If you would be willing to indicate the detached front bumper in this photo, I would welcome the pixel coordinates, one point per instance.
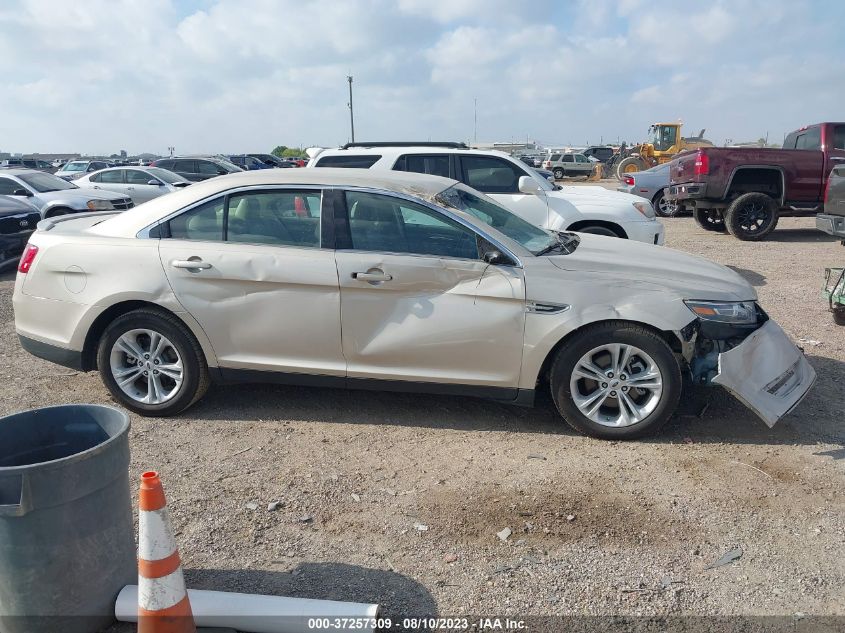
(767, 373)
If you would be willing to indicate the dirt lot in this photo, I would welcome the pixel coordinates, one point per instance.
(397, 499)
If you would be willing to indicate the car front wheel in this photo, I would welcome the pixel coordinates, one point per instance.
(616, 380)
(151, 363)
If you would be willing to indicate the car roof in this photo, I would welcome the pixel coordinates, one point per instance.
(20, 172)
(130, 222)
(399, 150)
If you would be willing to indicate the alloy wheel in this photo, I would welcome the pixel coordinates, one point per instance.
(616, 385)
(146, 366)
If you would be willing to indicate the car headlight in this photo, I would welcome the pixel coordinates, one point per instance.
(734, 312)
(99, 205)
(645, 208)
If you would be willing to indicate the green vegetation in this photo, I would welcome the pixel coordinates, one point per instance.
(283, 151)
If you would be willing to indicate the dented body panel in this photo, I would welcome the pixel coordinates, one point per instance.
(766, 372)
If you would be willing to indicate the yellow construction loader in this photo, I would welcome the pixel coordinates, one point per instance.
(666, 142)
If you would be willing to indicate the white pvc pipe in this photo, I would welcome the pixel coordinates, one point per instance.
(253, 613)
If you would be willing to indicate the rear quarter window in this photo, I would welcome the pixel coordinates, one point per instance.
(354, 161)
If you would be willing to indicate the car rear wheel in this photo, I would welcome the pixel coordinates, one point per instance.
(709, 220)
(616, 380)
(752, 216)
(559, 173)
(151, 363)
(664, 208)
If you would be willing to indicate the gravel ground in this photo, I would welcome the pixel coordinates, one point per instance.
(398, 499)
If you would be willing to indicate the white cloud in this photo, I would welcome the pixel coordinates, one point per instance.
(100, 75)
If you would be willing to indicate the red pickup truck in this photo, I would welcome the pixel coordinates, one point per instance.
(745, 189)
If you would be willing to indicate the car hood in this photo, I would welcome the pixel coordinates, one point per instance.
(83, 193)
(653, 268)
(592, 197)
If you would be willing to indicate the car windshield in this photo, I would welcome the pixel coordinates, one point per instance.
(79, 166)
(43, 183)
(530, 237)
(165, 175)
(227, 165)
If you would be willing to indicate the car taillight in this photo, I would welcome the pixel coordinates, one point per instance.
(702, 164)
(629, 180)
(27, 258)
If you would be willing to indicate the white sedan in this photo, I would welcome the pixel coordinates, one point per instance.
(139, 183)
(399, 281)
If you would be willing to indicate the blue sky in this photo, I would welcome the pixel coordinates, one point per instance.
(246, 75)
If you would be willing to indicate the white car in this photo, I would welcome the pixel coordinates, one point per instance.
(139, 183)
(511, 183)
(398, 281)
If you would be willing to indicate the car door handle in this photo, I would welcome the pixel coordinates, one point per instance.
(190, 264)
(376, 275)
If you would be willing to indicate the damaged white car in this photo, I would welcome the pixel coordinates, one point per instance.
(395, 281)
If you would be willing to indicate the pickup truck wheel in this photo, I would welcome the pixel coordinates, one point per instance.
(709, 220)
(752, 216)
(839, 315)
(559, 173)
(616, 380)
(664, 208)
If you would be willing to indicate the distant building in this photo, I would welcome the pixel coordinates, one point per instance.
(510, 148)
(123, 153)
(52, 157)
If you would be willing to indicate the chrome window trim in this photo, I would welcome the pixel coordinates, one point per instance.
(144, 234)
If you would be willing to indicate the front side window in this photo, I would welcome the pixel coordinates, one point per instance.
(392, 225)
(839, 137)
(113, 176)
(206, 168)
(579, 158)
(352, 161)
(135, 177)
(8, 186)
(284, 218)
(437, 165)
(490, 174)
(524, 233)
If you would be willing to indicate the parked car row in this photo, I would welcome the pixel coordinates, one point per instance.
(53, 196)
(512, 184)
(18, 220)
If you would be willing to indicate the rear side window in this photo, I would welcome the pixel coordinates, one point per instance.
(554, 157)
(283, 218)
(165, 164)
(185, 166)
(490, 174)
(435, 164)
(352, 161)
(568, 158)
(113, 177)
(204, 222)
(789, 141)
(809, 139)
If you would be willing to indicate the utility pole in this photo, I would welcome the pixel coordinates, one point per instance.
(351, 114)
(475, 121)
(171, 149)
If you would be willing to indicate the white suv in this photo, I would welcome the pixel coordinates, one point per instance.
(512, 183)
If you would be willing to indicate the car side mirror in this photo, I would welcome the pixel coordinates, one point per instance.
(222, 172)
(155, 183)
(528, 185)
(22, 192)
(497, 258)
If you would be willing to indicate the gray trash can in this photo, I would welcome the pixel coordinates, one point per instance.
(67, 543)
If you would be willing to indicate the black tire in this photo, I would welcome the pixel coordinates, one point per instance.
(559, 172)
(752, 216)
(839, 315)
(195, 379)
(664, 208)
(600, 229)
(709, 220)
(626, 333)
(631, 161)
(57, 211)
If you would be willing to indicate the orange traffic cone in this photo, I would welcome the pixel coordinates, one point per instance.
(163, 605)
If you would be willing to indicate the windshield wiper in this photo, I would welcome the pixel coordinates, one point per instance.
(566, 242)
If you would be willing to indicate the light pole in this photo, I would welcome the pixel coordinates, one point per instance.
(351, 114)
(475, 121)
